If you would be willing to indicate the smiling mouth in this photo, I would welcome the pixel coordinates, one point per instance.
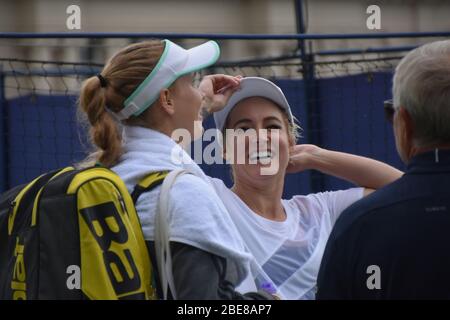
(261, 156)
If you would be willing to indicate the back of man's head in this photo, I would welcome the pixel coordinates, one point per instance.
(422, 87)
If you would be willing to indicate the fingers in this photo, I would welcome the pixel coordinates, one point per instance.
(223, 77)
(217, 89)
(228, 91)
(224, 89)
(222, 83)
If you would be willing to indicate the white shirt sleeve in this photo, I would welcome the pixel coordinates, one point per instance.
(338, 201)
(325, 205)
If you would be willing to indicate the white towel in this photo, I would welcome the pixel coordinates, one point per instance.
(197, 215)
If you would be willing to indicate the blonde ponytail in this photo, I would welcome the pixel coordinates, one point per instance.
(104, 131)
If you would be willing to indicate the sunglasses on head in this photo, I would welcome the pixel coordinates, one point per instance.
(389, 110)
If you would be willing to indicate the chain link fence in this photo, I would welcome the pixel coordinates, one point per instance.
(336, 99)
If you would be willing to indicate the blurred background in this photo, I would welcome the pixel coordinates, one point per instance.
(336, 85)
(214, 16)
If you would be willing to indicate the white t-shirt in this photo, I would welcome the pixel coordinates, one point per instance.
(290, 251)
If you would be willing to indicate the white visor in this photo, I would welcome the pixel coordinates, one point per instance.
(174, 63)
(253, 87)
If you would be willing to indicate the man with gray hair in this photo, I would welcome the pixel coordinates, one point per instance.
(395, 243)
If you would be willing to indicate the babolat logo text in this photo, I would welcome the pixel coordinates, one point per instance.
(18, 283)
(109, 231)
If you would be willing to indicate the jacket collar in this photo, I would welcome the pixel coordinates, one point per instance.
(437, 160)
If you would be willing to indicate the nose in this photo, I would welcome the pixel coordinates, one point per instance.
(263, 139)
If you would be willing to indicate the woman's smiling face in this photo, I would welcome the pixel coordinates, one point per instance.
(268, 147)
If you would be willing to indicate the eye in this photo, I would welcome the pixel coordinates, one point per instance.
(274, 126)
(242, 129)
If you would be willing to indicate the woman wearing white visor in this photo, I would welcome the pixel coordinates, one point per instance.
(147, 89)
(287, 237)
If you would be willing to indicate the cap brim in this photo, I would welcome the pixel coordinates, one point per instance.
(201, 56)
(253, 87)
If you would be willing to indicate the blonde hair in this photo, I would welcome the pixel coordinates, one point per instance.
(294, 129)
(122, 73)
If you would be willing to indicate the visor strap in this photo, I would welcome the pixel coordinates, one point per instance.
(125, 113)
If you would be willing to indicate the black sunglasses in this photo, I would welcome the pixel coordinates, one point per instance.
(389, 110)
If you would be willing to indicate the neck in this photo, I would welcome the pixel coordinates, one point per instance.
(418, 150)
(263, 198)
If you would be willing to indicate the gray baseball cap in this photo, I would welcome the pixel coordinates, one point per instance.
(253, 87)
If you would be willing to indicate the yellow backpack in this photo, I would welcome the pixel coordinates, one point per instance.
(75, 234)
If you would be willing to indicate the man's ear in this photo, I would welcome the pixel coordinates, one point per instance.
(166, 101)
(406, 124)
(404, 133)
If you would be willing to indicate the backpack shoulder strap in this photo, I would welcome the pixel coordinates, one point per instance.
(148, 183)
(162, 245)
(162, 235)
(26, 197)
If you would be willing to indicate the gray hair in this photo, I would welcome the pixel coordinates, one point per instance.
(422, 86)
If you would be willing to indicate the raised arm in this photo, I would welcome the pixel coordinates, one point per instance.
(365, 172)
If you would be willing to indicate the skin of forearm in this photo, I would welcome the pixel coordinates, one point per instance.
(359, 170)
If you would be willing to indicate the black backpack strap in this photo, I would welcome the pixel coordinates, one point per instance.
(148, 183)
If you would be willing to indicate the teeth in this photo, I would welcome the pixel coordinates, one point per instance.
(260, 155)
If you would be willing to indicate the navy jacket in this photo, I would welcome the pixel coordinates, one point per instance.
(395, 243)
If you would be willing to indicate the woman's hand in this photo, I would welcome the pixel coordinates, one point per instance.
(301, 157)
(217, 90)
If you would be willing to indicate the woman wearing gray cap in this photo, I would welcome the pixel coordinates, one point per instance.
(286, 236)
